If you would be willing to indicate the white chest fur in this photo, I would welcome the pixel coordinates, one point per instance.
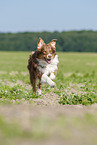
(46, 68)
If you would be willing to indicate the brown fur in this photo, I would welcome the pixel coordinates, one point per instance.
(41, 53)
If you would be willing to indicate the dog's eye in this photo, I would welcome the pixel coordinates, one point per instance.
(50, 51)
(44, 52)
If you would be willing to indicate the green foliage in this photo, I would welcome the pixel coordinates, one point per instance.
(76, 79)
(74, 41)
(16, 94)
(75, 99)
(78, 90)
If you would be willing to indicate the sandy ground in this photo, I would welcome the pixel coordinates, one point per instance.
(68, 124)
(47, 99)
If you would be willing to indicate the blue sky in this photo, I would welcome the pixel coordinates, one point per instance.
(47, 15)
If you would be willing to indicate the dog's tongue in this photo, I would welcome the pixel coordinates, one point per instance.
(49, 60)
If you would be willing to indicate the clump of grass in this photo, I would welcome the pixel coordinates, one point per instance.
(75, 99)
(16, 94)
(79, 90)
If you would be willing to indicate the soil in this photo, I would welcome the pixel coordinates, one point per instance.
(47, 99)
(49, 117)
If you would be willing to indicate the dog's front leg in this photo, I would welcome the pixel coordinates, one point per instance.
(53, 75)
(46, 79)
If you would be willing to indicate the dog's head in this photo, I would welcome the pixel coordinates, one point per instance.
(46, 51)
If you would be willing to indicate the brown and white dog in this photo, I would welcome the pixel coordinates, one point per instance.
(43, 64)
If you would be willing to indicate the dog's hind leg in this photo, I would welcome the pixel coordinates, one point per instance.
(39, 88)
(33, 82)
(34, 85)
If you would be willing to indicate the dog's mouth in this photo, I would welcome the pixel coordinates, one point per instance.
(48, 60)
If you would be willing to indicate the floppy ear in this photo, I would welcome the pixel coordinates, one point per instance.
(53, 43)
(40, 44)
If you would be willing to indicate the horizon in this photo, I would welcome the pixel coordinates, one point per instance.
(48, 31)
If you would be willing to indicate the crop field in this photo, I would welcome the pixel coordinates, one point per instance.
(66, 114)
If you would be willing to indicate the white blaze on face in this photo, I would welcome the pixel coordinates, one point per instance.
(49, 57)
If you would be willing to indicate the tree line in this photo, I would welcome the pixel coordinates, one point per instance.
(68, 41)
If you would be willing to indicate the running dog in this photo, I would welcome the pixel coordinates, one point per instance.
(43, 65)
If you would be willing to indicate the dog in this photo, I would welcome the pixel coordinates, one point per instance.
(43, 65)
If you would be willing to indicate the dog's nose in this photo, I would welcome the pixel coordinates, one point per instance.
(49, 56)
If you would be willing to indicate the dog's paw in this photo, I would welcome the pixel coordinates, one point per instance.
(53, 85)
(39, 92)
(52, 76)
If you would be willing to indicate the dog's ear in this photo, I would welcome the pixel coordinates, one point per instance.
(53, 43)
(40, 44)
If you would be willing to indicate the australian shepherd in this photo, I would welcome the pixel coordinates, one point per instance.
(43, 65)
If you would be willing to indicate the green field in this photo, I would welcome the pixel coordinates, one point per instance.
(76, 79)
(62, 115)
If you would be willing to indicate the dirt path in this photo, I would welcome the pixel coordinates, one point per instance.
(47, 99)
(50, 123)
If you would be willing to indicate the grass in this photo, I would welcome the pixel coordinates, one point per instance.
(76, 78)
(76, 83)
